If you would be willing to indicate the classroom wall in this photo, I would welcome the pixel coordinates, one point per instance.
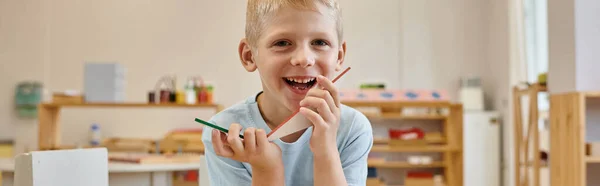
(407, 44)
(21, 31)
(497, 72)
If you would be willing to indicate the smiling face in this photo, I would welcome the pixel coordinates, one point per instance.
(294, 48)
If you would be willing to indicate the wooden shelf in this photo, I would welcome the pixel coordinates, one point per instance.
(534, 88)
(415, 148)
(592, 94)
(396, 104)
(184, 183)
(530, 164)
(399, 116)
(429, 141)
(384, 164)
(430, 138)
(143, 105)
(49, 114)
(591, 159)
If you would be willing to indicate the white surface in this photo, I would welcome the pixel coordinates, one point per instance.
(161, 178)
(7, 165)
(481, 149)
(120, 179)
(123, 174)
(124, 167)
(296, 123)
(63, 168)
(203, 172)
(472, 98)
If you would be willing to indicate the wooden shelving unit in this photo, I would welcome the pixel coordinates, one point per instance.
(522, 139)
(574, 117)
(391, 164)
(429, 139)
(412, 148)
(449, 144)
(398, 116)
(49, 115)
(49, 129)
(593, 159)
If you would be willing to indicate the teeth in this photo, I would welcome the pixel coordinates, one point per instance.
(300, 80)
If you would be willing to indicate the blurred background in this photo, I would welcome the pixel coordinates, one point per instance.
(89, 73)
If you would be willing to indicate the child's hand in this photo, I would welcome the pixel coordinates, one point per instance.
(254, 148)
(326, 118)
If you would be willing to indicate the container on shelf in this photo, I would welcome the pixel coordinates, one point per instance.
(95, 135)
(471, 93)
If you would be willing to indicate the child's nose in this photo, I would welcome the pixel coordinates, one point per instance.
(303, 57)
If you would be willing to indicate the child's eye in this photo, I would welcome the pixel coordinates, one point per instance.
(282, 43)
(320, 42)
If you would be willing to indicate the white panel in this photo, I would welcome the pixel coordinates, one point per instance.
(203, 172)
(296, 123)
(481, 149)
(87, 167)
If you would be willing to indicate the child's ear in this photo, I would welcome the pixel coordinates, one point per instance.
(341, 56)
(245, 52)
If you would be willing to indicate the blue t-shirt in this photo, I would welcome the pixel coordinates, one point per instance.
(354, 141)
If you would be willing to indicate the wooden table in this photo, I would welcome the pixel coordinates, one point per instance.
(126, 174)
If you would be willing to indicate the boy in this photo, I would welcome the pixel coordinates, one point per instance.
(297, 47)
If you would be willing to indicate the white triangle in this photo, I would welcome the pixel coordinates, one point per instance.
(296, 123)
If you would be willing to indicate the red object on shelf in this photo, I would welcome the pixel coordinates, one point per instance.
(191, 176)
(407, 134)
(202, 95)
(419, 175)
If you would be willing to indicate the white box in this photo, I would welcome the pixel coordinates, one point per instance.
(104, 82)
(78, 167)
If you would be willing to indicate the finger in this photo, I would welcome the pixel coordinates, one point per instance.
(219, 146)
(261, 140)
(324, 94)
(223, 137)
(226, 147)
(315, 118)
(328, 85)
(320, 105)
(234, 140)
(250, 140)
(216, 142)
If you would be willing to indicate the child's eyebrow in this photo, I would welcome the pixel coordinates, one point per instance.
(279, 34)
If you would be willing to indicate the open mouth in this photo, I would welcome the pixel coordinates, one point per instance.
(304, 83)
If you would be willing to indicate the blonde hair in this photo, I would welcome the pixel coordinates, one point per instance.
(260, 11)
